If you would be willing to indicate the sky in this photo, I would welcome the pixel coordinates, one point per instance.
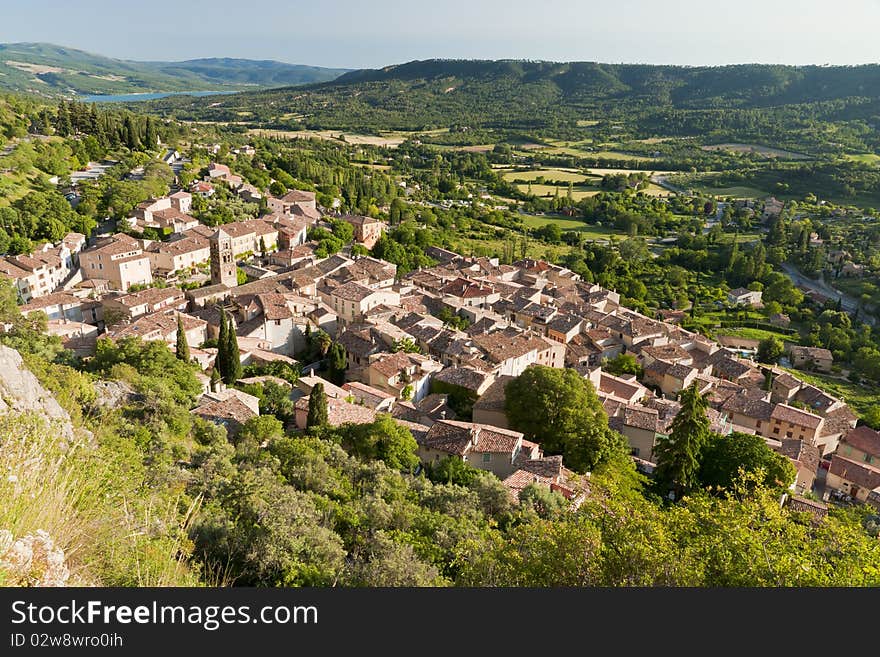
(375, 33)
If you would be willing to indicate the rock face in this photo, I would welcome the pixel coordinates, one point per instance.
(20, 392)
(32, 560)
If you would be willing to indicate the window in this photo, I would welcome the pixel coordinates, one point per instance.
(776, 430)
(867, 458)
(758, 423)
(487, 458)
(788, 434)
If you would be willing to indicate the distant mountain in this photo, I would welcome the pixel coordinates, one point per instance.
(527, 95)
(52, 70)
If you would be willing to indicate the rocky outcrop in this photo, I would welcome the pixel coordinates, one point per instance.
(21, 392)
(32, 560)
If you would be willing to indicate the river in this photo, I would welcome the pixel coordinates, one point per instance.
(132, 98)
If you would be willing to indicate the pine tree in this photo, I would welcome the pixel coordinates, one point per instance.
(233, 356)
(678, 454)
(182, 345)
(220, 363)
(317, 416)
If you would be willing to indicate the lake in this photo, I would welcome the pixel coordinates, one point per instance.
(131, 98)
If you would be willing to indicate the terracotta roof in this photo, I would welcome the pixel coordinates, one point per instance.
(812, 352)
(56, 298)
(796, 416)
(187, 244)
(369, 395)
(744, 404)
(803, 504)
(808, 456)
(464, 377)
(462, 437)
(860, 474)
(298, 196)
(150, 296)
(494, 397)
(864, 439)
(465, 289)
(231, 412)
(359, 220)
(352, 292)
(274, 306)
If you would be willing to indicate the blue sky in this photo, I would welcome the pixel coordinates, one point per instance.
(373, 33)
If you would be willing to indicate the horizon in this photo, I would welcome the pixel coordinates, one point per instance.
(346, 34)
(450, 59)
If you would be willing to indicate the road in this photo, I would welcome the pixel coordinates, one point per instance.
(848, 303)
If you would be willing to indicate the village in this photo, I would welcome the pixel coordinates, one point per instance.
(405, 358)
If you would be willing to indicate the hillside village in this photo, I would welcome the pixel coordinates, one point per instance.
(443, 380)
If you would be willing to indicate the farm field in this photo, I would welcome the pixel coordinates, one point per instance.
(863, 158)
(578, 192)
(757, 148)
(566, 223)
(389, 141)
(562, 175)
(735, 192)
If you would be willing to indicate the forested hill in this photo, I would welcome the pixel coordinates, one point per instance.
(545, 95)
(51, 70)
(745, 85)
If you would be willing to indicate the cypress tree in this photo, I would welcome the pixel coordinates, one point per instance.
(678, 454)
(336, 355)
(182, 345)
(220, 363)
(215, 379)
(317, 416)
(150, 135)
(233, 356)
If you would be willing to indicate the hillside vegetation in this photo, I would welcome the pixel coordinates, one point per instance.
(776, 104)
(51, 70)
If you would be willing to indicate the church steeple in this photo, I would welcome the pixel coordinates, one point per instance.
(223, 269)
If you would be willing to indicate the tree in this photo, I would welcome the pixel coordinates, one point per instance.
(559, 409)
(622, 364)
(317, 416)
(407, 345)
(233, 355)
(220, 363)
(336, 357)
(385, 440)
(182, 350)
(770, 350)
(215, 379)
(725, 458)
(678, 454)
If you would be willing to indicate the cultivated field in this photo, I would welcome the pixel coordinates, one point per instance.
(767, 151)
(390, 141)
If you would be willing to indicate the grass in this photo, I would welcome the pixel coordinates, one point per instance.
(735, 192)
(757, 148)
(577, 193)
(495, 247)
(753, 333)
(859, 397)
(562, 175)
(566, 223)
(389, 141)
(863, 158)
